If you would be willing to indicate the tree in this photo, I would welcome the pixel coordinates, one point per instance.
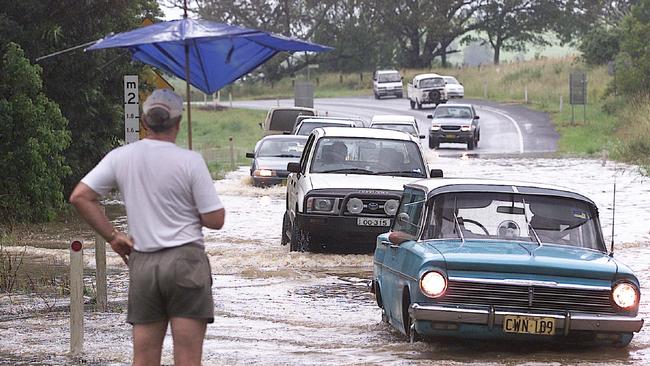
(86, 86)
(633, 60)
(599, 46)
(33, 136)
(512, 24)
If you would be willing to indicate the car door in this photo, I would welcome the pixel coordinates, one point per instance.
(391, 257)
(296, 181)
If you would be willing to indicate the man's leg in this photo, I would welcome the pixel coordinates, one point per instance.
(147, 342)
(188, 337)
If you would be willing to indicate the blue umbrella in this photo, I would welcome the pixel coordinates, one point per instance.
(206, 54)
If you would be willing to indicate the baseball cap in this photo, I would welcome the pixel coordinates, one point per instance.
(165, 99)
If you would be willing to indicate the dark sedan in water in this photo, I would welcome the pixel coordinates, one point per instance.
(271, 156)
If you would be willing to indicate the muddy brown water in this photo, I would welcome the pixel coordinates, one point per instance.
(280, 308)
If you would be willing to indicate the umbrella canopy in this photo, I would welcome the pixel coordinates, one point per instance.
(218, 53)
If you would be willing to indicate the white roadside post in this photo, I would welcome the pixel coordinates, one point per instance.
(76, 298)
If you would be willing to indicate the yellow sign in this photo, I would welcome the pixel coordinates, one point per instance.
(151, 80)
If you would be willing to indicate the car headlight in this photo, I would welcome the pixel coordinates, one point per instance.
(390, 207)
(465, 128)
(320, 204)
(355, 206)
(263, 173)
(433, 284)
(625, 295)
(435, 127)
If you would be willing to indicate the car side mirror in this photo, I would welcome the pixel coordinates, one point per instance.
(293, 167)
(250, 155)
(430, 116)
(476, 117)
(435, 173)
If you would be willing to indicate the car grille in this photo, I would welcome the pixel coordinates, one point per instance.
(528, 298)
(450, 128)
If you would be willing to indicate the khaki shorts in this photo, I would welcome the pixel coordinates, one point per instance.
(173, 282)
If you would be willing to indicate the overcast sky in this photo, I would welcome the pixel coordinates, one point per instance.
(171, 13)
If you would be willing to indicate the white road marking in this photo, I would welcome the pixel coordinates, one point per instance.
(512, 120)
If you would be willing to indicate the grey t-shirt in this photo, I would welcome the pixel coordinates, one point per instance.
(164, 187)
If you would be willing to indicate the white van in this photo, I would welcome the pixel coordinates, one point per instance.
(387, 82)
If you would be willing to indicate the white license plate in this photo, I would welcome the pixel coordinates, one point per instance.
(529, 325)
(371, 221)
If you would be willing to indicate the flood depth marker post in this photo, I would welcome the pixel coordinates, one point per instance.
(76, 298)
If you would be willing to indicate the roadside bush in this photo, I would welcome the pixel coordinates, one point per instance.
(599, 46)
(33, 136)
(633, 60)
(634, 132)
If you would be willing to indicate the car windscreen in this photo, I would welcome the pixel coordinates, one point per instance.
(452, 112)
(348, 155)
(432, 83)
(514, 217)
(389, 78)
(285, 119)
(451, 80)
(396, 127)
(306, 127)
(281, 148)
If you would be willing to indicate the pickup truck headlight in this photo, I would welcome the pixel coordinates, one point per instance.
(435, 127)
(355, 206)
(433, 284)
(320, 204)
(625, 295)
(465, 128)
(390, 207)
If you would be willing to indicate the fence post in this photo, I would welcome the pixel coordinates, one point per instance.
(232, 153)
(561, 104)
(218, 96)
(76, 298)
(100, 271)
(340, 78)
(526, 94)
(485, 92)
(230, 98)
(278, 101)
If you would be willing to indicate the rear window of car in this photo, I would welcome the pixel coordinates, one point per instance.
(389, 77)
(284, 119)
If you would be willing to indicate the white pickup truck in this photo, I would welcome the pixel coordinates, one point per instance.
(427, 89)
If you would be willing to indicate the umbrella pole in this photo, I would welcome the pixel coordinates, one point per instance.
(187, 83)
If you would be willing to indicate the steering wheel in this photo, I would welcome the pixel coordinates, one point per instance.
(477, 224)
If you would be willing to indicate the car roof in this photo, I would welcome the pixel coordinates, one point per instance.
(337, 121)
(292, 109)
(456, 105)
(426, 76)
(393, 118)
(284, 137)
(386, 71)
(435, 186)
(363, 132)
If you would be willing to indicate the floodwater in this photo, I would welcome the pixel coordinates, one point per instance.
(280, 308)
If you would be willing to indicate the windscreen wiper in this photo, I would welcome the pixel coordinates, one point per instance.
(402, 172)
(349, 170)
(530, 227)
(457, 223)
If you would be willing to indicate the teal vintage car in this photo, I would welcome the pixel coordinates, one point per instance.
(499, 259)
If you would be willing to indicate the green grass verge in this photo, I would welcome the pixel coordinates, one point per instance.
(211, 133)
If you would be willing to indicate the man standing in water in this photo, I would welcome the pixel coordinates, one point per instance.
(169, 196)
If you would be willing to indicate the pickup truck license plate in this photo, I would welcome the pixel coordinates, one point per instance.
(529, 325)
(451, 136)
(371, 221)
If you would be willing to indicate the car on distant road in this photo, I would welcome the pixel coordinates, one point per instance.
(426, 89)
(507, 260)
(397, 122)
(454, 123)
(345, 189)
(453, 88)
(281, 120)
(305, 126)
(271, 156)
(387, 83)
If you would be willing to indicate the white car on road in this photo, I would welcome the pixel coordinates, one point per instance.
(453, 88)
(345, 190)
(397, 122)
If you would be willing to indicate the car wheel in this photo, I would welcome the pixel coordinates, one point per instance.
(285, 229)
(470, 144)
(408, 321)
(624, 340)
(412, 104)
(376, 96)
(299, 239)
(433, 143)
(400, 96)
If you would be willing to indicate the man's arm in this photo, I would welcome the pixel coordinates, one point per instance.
(85, 200)
(214, 219)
